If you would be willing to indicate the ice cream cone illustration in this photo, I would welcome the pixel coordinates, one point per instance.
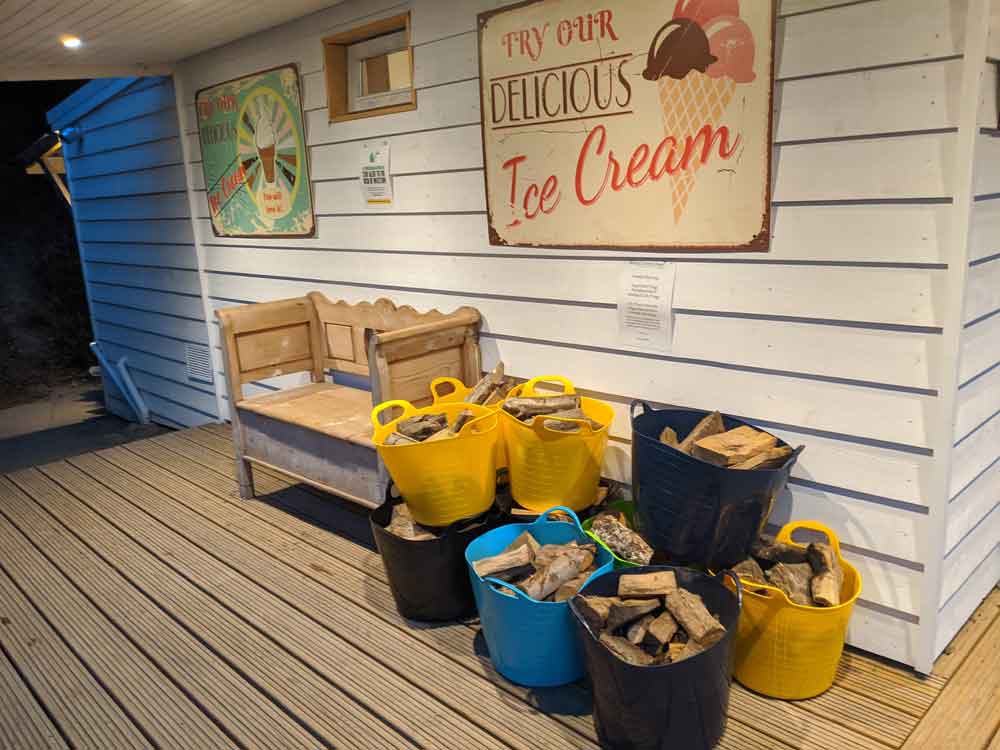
(264, 139)
(696, 70)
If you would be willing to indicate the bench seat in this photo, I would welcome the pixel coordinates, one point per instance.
(339, 411)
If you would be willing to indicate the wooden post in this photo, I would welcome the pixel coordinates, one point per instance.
(244, 471)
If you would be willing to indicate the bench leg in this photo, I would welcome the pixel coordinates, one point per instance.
(244, 473)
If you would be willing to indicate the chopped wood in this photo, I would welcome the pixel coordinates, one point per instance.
(772, 458)
(769, 550)
(399, 439)
(750, 570)
(501, 391)
(422, 426)
(710, 425)
(638, 629)
(624, 542)
(661, 630)
(525, 539)
(691, 613)
(505, 561)
(669, 437)
(828, 576)
(561, 570)
(402, 525)
(558, 426)
(659, 583)
(595, 609)
(464, 417)
(482, 390)
(681, 651)
(794, 579)
(570, 589)
(549, 552)
(733, 447)
(626, 651)
(629, 610)
(445, 434)
(525, 408)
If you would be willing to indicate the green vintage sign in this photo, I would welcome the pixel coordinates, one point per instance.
(253, 155)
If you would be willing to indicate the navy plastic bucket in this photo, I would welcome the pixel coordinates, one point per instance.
(665, 706)
(691, 512)
(530, 642)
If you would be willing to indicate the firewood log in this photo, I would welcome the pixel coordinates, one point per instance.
(525, 408)
(681, 651)
(710, 425)
(525, 539)
(772, 458)
(569, 589)
(768, 550)
(639, 586)
(669, 437)
(549, 552)
(397, 438)
(547, 580)
(661, 630)
(828, 576)
(750, 570)
(624, 542)
(691, 614)
(625, 651)
(482, 391)
(463, 418)
(794, 579)
(402, 525)
(733, 447)
(638, 629)
(558, 426)
(422, 426)
(595, 609)
(492, 566)
(629, 610)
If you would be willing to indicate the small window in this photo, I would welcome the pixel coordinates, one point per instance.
(369, 70)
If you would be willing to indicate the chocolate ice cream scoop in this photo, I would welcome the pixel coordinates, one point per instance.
(684, 48)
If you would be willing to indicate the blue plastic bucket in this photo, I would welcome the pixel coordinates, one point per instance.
(531, 643)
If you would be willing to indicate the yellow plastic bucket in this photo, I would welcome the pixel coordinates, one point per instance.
(786, 650)
(445, 480)
(457, 394)
(548, 467)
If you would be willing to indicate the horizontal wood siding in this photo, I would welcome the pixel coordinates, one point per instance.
(136, 240)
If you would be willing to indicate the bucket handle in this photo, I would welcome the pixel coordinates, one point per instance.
(785, 535)
(528, 388)
(638, 402)
(406, 406)
(738, 586)
(544, 517)
(455, 383)
(514, 589)
(538, 425)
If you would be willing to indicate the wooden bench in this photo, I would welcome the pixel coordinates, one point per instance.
(321, 433)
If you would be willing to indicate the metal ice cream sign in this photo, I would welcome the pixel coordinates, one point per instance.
(608, 124)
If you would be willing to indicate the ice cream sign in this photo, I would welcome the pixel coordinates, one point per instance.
(253, 156)
(628, 123)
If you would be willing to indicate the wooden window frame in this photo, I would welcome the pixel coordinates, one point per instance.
(335, 55)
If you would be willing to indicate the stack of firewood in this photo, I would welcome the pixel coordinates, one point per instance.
(613, 529)
(651, 621)
(740, 448)
(546, 572)
(811, 576)
(564, 406)
(402, 525)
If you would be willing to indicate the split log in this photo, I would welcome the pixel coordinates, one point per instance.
(501, 391)
(549, 552)
(669, 437)
(733, 447)
(397, 438)
(690, 612)
(768, 550)
(482, 390)
(661, 630)
(505, 561)
(659, 583)
(626, 651)
(710, 425)
(422, 426)
(525, 408)
(570, 589)
(565, 568)
(624, 542)
(681, 651)
(595, 609)
(628, 610)
(772, 458)
(402, 525)
(828, 576)
(558, 426)
(637, 630)
(525, 539)
(463, 418)
(794, 580)
(750, 570)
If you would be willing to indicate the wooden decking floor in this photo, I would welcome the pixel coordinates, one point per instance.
(144, 605)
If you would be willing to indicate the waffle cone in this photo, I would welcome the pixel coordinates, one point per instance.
(688, 105)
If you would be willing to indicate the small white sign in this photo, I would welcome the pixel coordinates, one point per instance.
(645, 305)
(376, 181)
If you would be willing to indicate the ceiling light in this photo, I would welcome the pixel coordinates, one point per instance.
(70, 42)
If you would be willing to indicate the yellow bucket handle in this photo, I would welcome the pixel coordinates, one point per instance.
(528, 389)
(455, 383)
(406, 406)
(785, 535)
(538, 425)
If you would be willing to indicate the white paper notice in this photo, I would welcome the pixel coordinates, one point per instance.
(376, 180)
(645, 305)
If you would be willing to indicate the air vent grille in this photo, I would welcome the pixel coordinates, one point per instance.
(199, 362)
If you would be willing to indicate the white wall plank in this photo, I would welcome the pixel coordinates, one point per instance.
(157, 279)
(161, 346)
(173, 231)
(131, 103)
(987, 164)
(967, 599)
(974, 454)
(142, 156)
(988, 113)
(150, 363)
(139, 207)
(170, 256)
(145, 128)
(977, 402)
(985, 230)
(980, 348)
(982, 290)
(970, 552)
(882, 633)
(164, 325)
(973, 504)
(167, 303)
(166, 179)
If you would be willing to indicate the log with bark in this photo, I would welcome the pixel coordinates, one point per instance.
(794, 579)
(734, 446)
(595, 609)
(669, 437)
(525, 539)
(828, 576)
(558, 426)
(396, 438)
(691, 613)
(526, 408)
(564, 568)
(710, 425)
(421, 426)
(766, 549)
(772, 458)
(629, 610)
(507, 565)
(750, 570)
(641, 585)
(570, 589)
(624, 542)
(482, 390)
(637, 631)
(626, 651)
(402, 525)
(661, 630)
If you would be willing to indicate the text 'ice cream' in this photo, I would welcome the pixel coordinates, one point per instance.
(264, 139)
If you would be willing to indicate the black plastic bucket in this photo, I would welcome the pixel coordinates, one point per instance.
(668, 706)
(429, 579)
(691, 512)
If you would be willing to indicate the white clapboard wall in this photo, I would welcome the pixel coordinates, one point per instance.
(836, 340)
(133, 224)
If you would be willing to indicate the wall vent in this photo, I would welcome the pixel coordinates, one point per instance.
(199, 362)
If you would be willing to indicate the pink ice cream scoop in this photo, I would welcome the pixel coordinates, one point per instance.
(703, 11)
(731, 42)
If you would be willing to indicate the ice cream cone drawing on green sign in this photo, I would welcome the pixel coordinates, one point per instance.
(253, 155)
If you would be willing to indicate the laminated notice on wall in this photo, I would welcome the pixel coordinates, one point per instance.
(376, 183)
(645, 305)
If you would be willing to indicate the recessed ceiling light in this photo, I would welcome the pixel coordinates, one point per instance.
(70, 42)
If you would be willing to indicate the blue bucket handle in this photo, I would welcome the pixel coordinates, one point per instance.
(638, 402)
(544, 517)
(510, 587)
(739, 588)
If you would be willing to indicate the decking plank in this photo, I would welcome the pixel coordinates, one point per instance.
(308, 603)
(23, 722)
(891, 684)
(967, 713)
(86, 713)
(171, 717)
(965, 640)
